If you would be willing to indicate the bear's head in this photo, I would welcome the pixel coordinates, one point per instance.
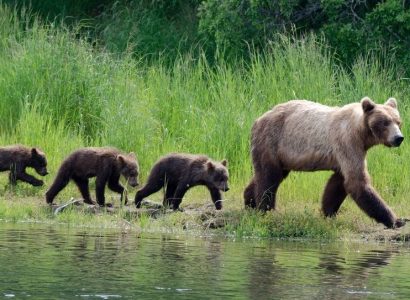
(129, 168)
(384, 121)
(38, 161)
(217, 174)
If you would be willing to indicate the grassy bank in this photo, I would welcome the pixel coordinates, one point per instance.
(59, 93)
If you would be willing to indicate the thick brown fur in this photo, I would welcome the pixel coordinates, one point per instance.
(305, 136)
(17, 158)
(178, 172)
(105, 163)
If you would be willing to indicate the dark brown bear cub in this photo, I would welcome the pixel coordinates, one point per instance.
(106, 164)
(179, 172)
(17, 158)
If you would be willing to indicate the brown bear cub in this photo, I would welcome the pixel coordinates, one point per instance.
(178, 172)
(17, 158)
(106, 164)
(305, 136)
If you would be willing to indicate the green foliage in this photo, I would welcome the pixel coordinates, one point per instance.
(292, 224)
(149, 29)
(53, 9)
(356, 28)
(163, 29)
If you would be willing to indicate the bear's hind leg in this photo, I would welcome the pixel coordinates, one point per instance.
(82, 184)
(249, 195)
(60, 182)
(152, 186)
(334, 195)
(267, 182)
(100, 183)
(169, 194)
(179, 194)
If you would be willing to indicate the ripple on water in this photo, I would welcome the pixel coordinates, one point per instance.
(102, 296)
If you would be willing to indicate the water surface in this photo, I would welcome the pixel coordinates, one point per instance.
(48, 262)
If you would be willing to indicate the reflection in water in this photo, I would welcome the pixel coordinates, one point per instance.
(264, 272)
(45, 262)
(354, 276)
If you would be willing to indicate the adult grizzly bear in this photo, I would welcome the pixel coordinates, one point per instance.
(17, 158)
(105, 163)
(305, 136)
(178, 172)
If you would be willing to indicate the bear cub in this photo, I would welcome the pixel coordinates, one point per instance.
(104, 163)
(17, 158)
(178, 172)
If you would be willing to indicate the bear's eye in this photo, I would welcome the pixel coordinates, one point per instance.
(386, 123)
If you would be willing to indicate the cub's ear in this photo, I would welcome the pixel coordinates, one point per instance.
(132, 155)
(210, 166)
(34, 151)
(224, 162)
(121, 159)
(367, 104)
(392, 102)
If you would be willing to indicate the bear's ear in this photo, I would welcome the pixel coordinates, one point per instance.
(210, 166)
(121, 159)
(132, 155)
(34, 151)
(392, 102)
(367, 104)
(224, 162)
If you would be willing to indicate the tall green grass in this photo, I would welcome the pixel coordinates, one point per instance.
(59, 93)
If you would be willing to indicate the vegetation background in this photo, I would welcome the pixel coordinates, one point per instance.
(160, 76)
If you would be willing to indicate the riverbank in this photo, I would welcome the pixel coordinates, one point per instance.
(198, 219)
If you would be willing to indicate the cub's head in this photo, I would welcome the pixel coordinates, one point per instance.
(218, 174)
(129, 168)
(383, 121)
(38, 161)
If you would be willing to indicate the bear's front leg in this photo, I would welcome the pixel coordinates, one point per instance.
(370, 202)
(357, 184)
(216, 197)
(114, 185)
(23, 176)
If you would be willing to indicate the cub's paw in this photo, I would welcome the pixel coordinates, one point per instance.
(38, 183)
(399, 223)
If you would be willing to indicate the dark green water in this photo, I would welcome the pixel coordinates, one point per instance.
(44, 262)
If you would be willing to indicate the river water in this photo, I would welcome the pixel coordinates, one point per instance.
(49, 262)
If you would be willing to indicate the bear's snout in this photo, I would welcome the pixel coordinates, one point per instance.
(398, 139)
(133, 182)
(42, 171)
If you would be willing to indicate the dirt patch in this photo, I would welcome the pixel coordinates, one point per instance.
(204, 216)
